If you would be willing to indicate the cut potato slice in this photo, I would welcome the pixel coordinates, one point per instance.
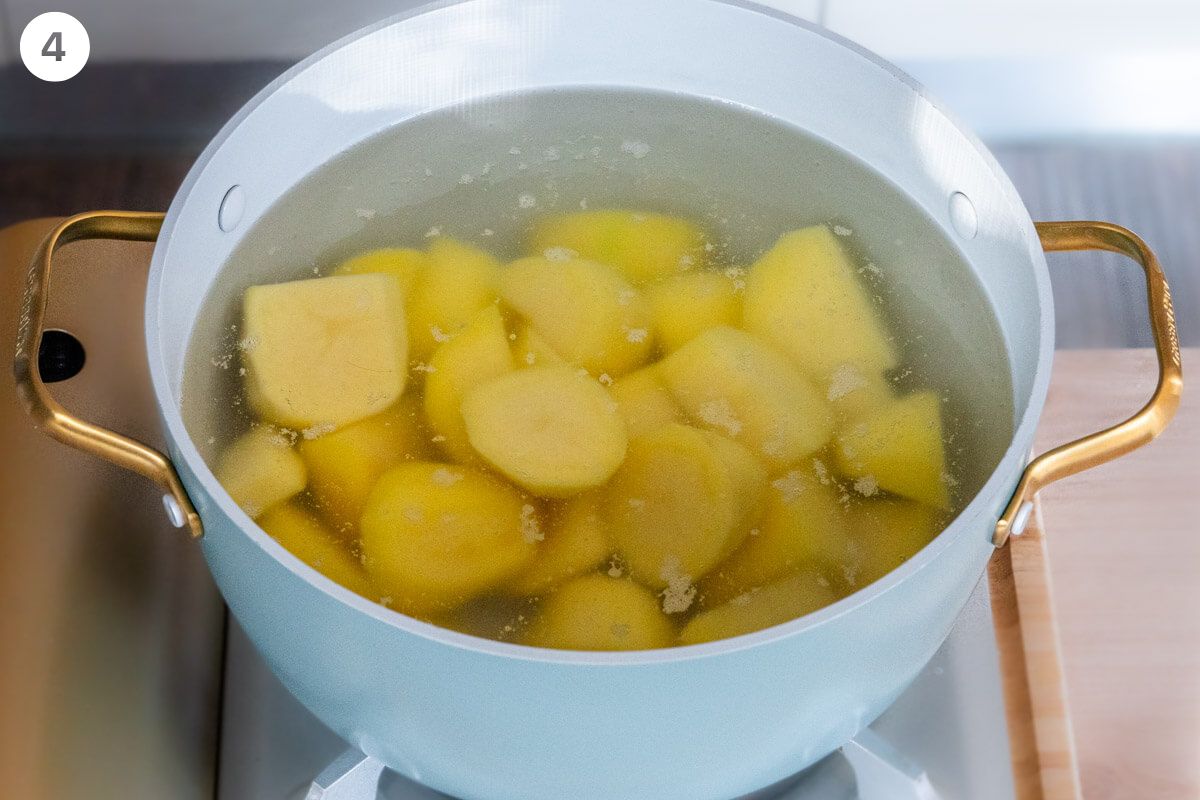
(805, 296)
(899, 446)
(596, 612)
(771, 605)
(448, 294)
(305, 538)
(684, 306)
(853, 392)
(472, 357)
(803, 526)
(344, 465)
(886, 533)
(531, 350)
(260, 469)
(436, 535)
(578, 541)
(404, 263)
(645, 247)
(730, 382)
(326, 351)
(681, 502)
(584, 311)
(645, 401)
(550, 429)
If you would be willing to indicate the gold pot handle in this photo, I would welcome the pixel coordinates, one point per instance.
(48, 415)
(1151, 419)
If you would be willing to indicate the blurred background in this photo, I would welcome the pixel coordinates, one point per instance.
(1090, 105)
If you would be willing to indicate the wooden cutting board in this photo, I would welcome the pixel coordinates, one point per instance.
(1120, 545)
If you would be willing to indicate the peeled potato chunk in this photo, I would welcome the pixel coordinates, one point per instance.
(771, 605)
(472, 357)
(596, 612)
(731, 382)
(306, 539)
(445, 296)
(645, 402)
(803, 525)
(551, 430)
(853, 392)
(344, 465)
(530, 349)
(684, 306)
(436, 535)
(887, 532)
(644, 246)
(576, 542)
(899, 447)
(260, 469)
(682, 501)
(805, 296)
(326, 351)
(403, 263)
(585, 312)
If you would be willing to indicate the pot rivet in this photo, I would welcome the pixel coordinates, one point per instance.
(233, 204)
(174, 512)
(1022, 519)
(963, 216)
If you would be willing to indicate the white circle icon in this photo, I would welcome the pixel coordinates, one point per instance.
(55, 46)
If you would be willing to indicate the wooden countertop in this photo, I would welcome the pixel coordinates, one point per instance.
(1124, 554)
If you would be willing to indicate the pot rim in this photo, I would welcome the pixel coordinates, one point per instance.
(1000, 482)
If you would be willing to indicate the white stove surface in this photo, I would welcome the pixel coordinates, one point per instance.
(950, 722)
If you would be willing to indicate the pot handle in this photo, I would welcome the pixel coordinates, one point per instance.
(1150, 420)
(48, 415)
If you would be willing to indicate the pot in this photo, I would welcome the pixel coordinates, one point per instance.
(478, 718)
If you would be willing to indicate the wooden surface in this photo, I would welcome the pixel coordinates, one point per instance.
(1045, 766)
(1124, 553)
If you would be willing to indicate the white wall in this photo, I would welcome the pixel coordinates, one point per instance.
(929, 30)
(202, 30)
(901, 30)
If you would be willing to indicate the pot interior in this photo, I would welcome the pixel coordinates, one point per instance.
(483, 171)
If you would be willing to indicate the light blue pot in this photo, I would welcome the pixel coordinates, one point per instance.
(482, 719)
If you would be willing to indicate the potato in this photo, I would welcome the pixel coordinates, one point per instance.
(771, 605)
(307, 540)
(459, 281)
(644, 246)
(584, 311)
(260, 469)
(549, 429)
(472, 357)
(530, 349)
(683, 306)
(887, 532)
(344, 465)
(436, 535)
(899, 448)
(402, 262)
(597, 612)
(645, 402)
(853, 392)
(730, 382)
(682, 501)
(326, 351)
(803, 526)
(576, 542)
(805, 296)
